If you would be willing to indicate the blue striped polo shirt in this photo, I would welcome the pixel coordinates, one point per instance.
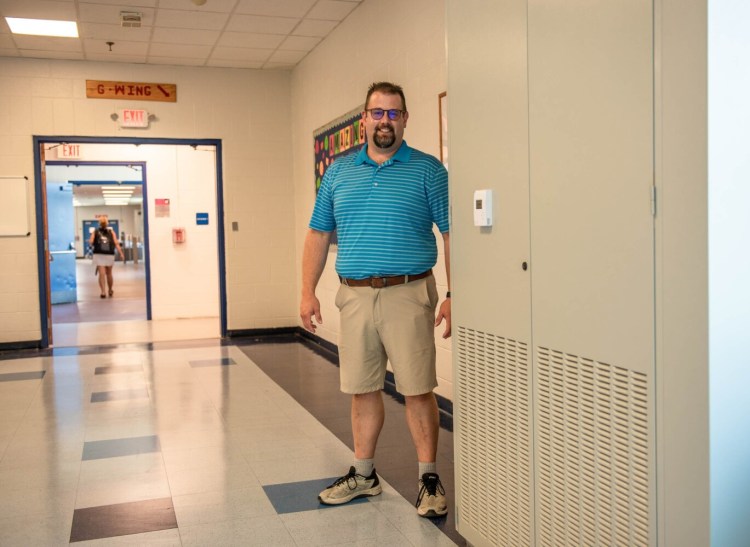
(383, 214)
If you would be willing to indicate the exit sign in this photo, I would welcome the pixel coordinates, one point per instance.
(133, 118)
(72, 151)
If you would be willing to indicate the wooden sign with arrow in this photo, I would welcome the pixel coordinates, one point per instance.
(135, 91)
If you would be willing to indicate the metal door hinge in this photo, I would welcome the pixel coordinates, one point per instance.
(653, 201)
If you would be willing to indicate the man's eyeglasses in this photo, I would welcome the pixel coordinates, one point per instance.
(378, 113)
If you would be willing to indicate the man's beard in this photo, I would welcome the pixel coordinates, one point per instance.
(384, 140)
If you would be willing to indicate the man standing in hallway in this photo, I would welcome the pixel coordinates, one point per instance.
(383, 202)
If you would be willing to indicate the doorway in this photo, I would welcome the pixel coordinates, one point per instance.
(186, 281)
(79, 194)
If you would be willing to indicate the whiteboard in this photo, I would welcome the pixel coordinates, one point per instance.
(14, 206)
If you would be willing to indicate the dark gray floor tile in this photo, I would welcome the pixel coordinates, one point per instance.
(223, 362)
(121, 369)
(295, 497)
(114, 448)
(123, 519)
(16, 376)
(119, 395)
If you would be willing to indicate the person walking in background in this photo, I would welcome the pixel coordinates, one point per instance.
(383, 202)
(104, 243)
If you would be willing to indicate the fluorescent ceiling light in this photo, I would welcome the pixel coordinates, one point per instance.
(43, 27)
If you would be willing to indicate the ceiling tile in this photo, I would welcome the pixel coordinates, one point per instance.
(245, 33)
(238, 63)
(265, 25)
(220, 6)
(191, 19)
(281, 66)
(114, 33)
(258, 41)
(237, 53)
(51, 54)
(47, 43)
(310, 27)
(114, 58)
(331, 10)
(185, 36)
(38, 9)
(120, 48)
(285, 8)
(300, 43)
(127, 5)
(179, 61)
(293, 57)
(98, 13)
(179, 50)
(6, 42)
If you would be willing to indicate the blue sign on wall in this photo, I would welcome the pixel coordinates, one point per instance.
(201, 219)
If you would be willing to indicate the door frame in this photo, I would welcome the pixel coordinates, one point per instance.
(42, 230)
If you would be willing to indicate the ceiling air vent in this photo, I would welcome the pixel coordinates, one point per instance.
(130, 19)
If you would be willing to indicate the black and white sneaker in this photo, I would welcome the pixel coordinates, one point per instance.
(349, 487)
(431, 499)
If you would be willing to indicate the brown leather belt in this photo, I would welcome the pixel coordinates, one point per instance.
(383, 282)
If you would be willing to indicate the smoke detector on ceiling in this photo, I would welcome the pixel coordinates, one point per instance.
(130, 19)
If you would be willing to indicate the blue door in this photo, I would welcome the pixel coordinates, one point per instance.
(61, 225)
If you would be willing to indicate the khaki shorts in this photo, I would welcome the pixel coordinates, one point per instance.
(395, 323)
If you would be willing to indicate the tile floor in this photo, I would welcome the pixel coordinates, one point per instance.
(188, 443)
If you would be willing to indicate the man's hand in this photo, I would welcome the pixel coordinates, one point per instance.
(309, 307)
(445, 313)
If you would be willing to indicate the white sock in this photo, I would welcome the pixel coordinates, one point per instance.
(364, 467)
(430, 467)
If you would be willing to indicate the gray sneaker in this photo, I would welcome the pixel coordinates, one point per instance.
(431, 498)
(349, 487)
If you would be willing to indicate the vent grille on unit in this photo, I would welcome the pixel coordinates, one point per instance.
(593, 453)
(494, 417)
(130, 19)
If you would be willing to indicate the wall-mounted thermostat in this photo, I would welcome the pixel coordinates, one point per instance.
(483, 208)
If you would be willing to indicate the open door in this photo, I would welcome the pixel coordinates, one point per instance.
(45, 235)
(62, 249)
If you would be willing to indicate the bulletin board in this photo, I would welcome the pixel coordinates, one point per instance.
(344, 135)
(14, 207)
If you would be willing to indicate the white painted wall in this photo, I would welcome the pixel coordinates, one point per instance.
(403, 42)
(248, 110)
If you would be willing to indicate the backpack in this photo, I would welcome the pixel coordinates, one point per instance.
(103, 243)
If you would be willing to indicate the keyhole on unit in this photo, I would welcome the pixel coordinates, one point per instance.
(524, 266)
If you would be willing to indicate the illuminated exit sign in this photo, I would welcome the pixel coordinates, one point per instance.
(71, 151)
(133, 118)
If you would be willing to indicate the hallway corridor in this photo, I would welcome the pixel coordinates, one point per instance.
(194, 443)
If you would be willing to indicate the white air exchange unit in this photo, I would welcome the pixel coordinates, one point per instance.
(131, 19)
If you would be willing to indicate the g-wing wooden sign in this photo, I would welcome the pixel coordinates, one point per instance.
(135, 91)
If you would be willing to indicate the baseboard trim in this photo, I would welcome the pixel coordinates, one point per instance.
(14, 346)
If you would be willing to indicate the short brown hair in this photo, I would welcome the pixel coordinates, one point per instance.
(389, 89)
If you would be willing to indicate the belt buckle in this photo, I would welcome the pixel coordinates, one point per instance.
(378, 282)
